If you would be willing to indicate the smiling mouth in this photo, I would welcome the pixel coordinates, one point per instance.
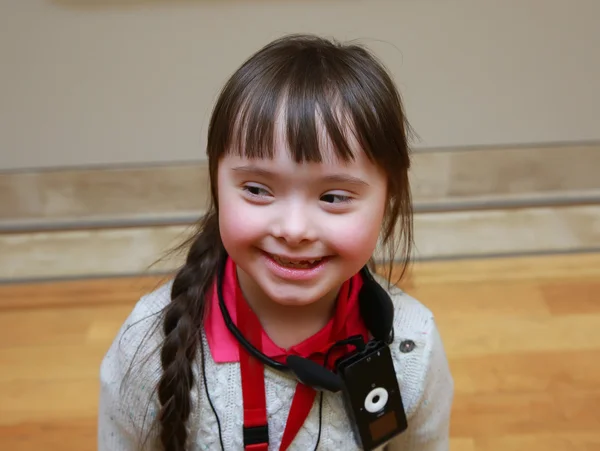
(298, 264)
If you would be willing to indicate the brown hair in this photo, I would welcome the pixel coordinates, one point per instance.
(314, 79)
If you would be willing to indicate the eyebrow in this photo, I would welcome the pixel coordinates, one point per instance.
(331, 178)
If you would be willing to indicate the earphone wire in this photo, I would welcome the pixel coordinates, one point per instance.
(208, 395)
(236, 332)
(320, 420)
(348, 341)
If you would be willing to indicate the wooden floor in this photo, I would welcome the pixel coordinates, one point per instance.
(522, 335)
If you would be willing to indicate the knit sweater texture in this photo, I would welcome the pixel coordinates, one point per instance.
(131, 369)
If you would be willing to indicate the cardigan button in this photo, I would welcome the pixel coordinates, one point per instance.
(407, 346)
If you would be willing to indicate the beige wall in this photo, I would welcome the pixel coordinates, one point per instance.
(108, 82)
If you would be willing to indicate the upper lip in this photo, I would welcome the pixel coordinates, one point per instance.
(294, 258)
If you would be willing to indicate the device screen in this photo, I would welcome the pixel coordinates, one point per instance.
(383, 425)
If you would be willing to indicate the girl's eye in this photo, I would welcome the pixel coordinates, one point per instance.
(333, 198)
(256, 190)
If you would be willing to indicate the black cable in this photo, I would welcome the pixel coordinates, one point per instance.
(320, 420)
(236, 332)
(356, 341)
(208, 395)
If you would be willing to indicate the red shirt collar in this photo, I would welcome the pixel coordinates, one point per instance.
(223, 346)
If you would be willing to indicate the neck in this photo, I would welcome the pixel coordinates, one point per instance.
(287, 325)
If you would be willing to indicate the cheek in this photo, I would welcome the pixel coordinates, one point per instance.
(240, 223)
(230, 215)
(240, 226)
(356, 238)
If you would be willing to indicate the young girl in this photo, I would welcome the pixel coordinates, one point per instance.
(308, 162)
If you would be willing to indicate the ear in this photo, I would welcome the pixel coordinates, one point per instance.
(376, 308)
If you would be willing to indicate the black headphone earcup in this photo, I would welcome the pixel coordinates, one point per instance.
(376, 309)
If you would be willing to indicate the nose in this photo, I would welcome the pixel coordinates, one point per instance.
(295, 225)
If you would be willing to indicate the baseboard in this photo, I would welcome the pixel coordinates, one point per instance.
(106, 252)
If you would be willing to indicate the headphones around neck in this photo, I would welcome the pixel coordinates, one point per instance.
(377, 312)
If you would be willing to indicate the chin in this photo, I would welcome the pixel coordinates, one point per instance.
(296, 297)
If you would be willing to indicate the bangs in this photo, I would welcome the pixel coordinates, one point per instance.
(303, 111)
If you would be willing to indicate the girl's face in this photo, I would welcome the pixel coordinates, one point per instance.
(298, 231)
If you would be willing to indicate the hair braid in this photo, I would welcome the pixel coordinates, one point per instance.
(182, 325)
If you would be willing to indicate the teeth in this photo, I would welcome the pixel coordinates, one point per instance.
(301, 264)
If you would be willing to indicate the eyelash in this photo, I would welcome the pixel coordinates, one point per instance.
(248, 189)
(344, 199)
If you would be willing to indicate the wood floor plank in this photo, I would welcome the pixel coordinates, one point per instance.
(466, 337)
(50, 326)
(499, 414)
(483, 299)
(75, 434)
(551, 442)
(530, 372)
(462, 444)
(61, 362)
(24, 401)
(76, 293)
(507, 269)
(564, 298)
